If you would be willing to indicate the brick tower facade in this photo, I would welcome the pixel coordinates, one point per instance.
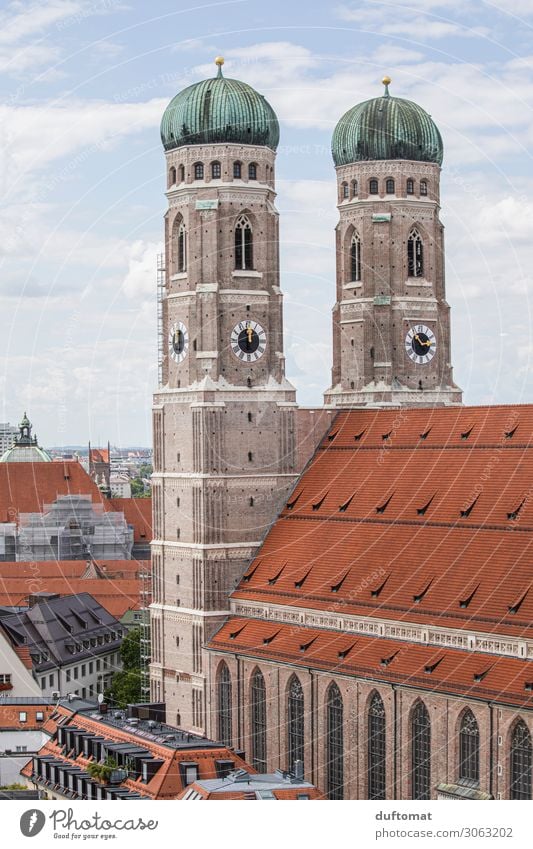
(391, 321)
(224, 414)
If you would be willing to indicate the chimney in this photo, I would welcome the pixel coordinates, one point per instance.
(299, 770)
(35, 598)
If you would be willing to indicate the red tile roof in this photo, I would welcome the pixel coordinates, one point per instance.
(421, 515)
(27, 487)
(476, 675)
(99, 455)
(10, 716)
(137, 512)
(115, 584)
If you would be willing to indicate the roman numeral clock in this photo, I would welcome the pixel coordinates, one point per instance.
(248, 341)
(420, 344)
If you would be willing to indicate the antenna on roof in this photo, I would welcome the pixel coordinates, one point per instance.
(100, 698)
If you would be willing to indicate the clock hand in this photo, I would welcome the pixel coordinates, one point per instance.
(249, 333)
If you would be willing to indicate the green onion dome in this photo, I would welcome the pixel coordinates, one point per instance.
(219, 110)
(386, 128)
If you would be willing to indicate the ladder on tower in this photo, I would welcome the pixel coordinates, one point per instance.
(161, 269)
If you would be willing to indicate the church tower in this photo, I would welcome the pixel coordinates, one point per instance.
(391, 321)
(223, 416)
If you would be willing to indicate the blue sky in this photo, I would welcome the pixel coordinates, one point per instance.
(82, 89)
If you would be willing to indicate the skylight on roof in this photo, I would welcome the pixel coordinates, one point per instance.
(318, 504)
(382, 507)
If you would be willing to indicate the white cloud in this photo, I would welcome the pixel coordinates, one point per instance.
(140, 276)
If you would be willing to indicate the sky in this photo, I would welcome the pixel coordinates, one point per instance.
(83, 85)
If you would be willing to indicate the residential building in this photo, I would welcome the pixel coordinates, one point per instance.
(149, 759)
(22, 721)
(73, 642)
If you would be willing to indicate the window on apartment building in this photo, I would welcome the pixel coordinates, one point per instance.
(75, 671)
(421, 752)
(68, 674)
(51, 680)
(83, 670)
(5, 678)
(39, 716)
(23, 716)
(334, 744)
(21, 748)
(91, 667)
(376, 749)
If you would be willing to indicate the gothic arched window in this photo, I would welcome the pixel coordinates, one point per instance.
(252, 171)
(355, 258)
(520, 762)
(334, 744)
(182, 248)
(243, 244)
(469, 748)
(345, 191)
(172, 177)
(415, 254)
(376, 749)
(373, 187)
(258, 721)
(224, 705)
(421, 752)
(215, 170)
(355, 190)
(179, 245)
(423, 187)
(295, 722)
(199, 171)
(410, 187)
(237, 170)
(389, 186)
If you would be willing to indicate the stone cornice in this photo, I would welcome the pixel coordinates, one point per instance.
(413, 632)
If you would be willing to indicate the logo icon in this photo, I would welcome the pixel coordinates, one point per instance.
(32, 822)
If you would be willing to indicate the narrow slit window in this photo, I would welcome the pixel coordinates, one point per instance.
(355, 258)
(415, 254)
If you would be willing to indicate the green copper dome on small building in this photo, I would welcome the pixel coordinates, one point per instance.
(386, 128)
(219, 110)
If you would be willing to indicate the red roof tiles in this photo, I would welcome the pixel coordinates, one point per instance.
(501, 679)
(420, 515)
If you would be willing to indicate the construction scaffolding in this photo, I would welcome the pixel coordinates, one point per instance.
(144, 625)
(161, 294)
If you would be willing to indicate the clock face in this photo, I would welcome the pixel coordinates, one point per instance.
(248, 341)
(420, 344)
(178, 342)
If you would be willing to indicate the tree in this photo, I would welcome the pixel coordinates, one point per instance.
(137, 489)
(126, 685)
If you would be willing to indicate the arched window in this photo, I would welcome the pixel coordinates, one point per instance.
(345, 191)
(355, 258)
(389, 186)
(421, 752)
(295, 722)
(334, 744)
(376, 749)
(181, 173)
(423, 187)
(252, 171)
(237, 170)
(258, 721)
(215, 170)
(373, 187)
(199, 171)
(224, 705)
(355, 189)
(179, 245)
(172, 177)
(410, 187)
(243, 244)
(520, 762)
(182, 248)
(469, 748)
(415, 254)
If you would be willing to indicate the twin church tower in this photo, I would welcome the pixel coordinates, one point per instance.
(229, 438)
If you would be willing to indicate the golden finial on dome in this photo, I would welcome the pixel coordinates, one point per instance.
(386, 82)
(219, 61)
